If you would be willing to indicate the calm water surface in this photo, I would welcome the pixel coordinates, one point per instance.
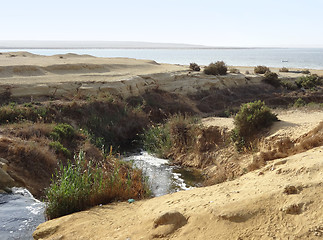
(272, 57)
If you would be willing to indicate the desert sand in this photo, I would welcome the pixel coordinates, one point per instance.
(23, 74)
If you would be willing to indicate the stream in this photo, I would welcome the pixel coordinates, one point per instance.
(162, 177)
(21, 213)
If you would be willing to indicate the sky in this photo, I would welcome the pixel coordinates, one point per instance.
(224, 23)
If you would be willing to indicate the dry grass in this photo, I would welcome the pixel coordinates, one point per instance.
(285, 147)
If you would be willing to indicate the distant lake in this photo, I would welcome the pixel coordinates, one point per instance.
(272, 57)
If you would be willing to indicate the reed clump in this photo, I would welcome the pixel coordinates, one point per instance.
(82, 184)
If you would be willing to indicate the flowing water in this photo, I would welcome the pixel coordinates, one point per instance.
(162, 177)
(20, 214)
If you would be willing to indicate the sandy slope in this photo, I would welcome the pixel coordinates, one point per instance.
(293, 123)
(24, 68)
(24, 74)
(283, 200)
(253, 206)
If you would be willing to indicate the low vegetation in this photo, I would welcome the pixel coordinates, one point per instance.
(176, 132)
(249, 121)
(195, 67)
(284, 69)
(234, 70)
(309, 82)
(261, 69)
(84, 184)
(218, 68)
(272, 79)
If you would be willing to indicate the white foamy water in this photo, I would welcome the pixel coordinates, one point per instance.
(161, 175)
(20, 214)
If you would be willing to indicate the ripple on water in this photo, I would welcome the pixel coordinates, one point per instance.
(20, 214)
(163, 178)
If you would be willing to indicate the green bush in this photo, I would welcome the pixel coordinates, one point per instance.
(218, 68)
(272, 79)
(308, 82)
(261, 69)
(59, 148)
(156, 139)
(62, 131)
(195, 67)
(178, 130)
(251, 118)
(299, 103)
(81, 185)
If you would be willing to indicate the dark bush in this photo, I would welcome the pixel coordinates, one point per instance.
(272, 79)
(306, 71)
(261, 69)
(308, 82)
(283, 69)
(218, 68)
(234, 70)
(195, 67)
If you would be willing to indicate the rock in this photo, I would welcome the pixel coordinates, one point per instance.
(290, 190)
(2, 160)
(5, 179)
(295, 208)
(168, 223)
(3, 166)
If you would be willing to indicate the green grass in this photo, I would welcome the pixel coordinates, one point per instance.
(59, 148)
(178, 130)
(84, 184)
(157, 140)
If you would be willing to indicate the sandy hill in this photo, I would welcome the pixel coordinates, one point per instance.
(283, 200)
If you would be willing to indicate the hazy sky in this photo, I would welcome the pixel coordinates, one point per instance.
(286, 23)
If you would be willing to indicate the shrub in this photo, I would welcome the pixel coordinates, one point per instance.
(156, 139)
(272, 79)
(82, 185)
(308, 82)
(62, 131)
(284, 69)
(306, 71)
(234, 70)
(261, 69)
(299, 103)
(177, 131)
(195, 67)
(251, 118)
(247, 72)
(289, 85)
(218, 68)
(59, 148)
